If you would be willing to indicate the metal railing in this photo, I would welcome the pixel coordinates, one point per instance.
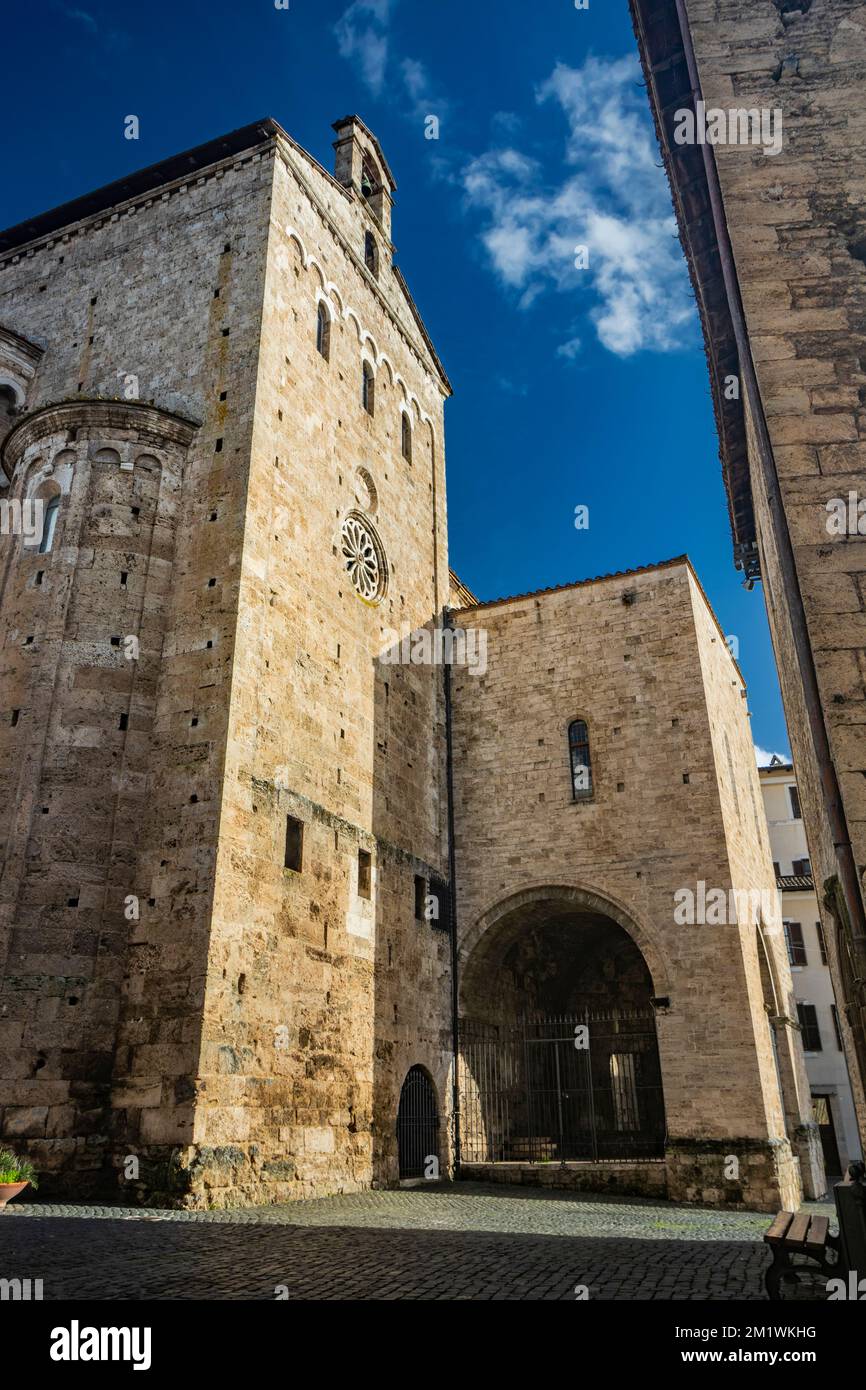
(561, 1088)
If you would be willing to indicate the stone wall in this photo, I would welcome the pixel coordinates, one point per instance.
(319, 1000)
(157, 301)
(772, 1007)
(641, 659)
(797, 222)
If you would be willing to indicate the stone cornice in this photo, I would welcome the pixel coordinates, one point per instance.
(151, 425)
(138, 190)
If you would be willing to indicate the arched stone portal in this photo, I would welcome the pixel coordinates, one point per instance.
(559, 1059)
(418, 1126)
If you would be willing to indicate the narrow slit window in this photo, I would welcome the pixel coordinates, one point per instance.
(371, 254)
(323, 332)
(368, 389)
(420, 897)
(49, 525)
(294, 856)
(365, 873)
(581, 765)
(406, 436)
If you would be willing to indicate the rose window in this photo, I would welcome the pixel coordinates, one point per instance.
(364, 557)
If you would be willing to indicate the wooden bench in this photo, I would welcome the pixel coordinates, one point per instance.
(808, 1238)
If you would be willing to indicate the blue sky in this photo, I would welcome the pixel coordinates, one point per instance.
(572, 387)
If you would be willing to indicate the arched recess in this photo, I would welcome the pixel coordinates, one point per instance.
(418, 1138)
(491, 935)
(559, 1058)
(18, 362)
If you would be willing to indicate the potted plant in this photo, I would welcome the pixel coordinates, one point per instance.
(15, 1174)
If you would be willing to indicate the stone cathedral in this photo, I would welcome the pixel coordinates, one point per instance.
(293, 900)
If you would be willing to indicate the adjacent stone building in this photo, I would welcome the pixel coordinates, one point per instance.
(580, 893)
(272, 835)
(759, 111)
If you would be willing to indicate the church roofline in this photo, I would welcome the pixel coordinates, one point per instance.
(579, 583)
(675, 562)
(246, 139)
(131, 186)
(459, 587)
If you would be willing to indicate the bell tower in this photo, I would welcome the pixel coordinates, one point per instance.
(360, 165)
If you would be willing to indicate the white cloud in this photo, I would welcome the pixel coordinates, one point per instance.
(506, 122)
(615, 201)
(423, 96)
(84, 18)
(570, 349)
(361, 36)
(764, 758)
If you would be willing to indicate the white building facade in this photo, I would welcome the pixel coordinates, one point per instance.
(813, 989)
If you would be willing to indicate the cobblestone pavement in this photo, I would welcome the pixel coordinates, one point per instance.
(444, 1242)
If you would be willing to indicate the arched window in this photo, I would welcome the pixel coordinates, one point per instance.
(371, 254)
(368, 180)
(323, 332)
(406, 437)
(49, 523)
(581, 765)
(418, 1126)
(368, 388)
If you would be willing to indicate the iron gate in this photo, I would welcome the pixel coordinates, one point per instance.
(578, 1086)
(417, 1125)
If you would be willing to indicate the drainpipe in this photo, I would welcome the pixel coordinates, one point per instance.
(848, 879)
(452, 900)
